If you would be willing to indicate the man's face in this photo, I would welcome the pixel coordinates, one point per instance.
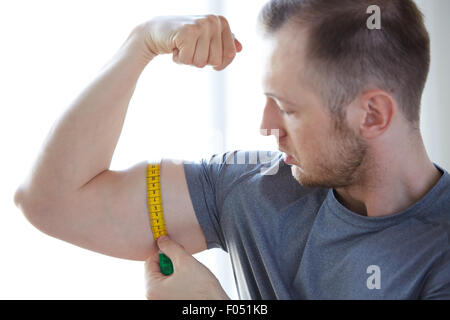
(326, 152)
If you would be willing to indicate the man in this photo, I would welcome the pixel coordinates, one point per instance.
(354, 210)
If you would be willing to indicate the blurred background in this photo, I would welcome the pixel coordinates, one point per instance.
(51, 50)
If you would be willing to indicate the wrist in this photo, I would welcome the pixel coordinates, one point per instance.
(135, 50)
(138, 44)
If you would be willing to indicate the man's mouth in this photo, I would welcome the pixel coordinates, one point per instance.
(287, 158)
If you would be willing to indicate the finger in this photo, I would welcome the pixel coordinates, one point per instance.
(171, 249)
(216, 49)
(229, 48)
(202, 51)
(152, 264)
(153, 270)
(186, 55)
(153, 278)
(186, 50)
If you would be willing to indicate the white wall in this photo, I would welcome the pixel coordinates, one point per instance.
(435, 103)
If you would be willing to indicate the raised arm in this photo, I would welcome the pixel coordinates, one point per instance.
(70, 192)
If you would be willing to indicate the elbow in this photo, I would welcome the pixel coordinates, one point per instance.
(19, 199)
(35, 211)
(23, 203)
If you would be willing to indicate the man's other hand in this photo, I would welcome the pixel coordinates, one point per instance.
(190, 280)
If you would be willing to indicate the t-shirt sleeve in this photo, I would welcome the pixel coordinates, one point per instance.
(437, 285)
(209, 181)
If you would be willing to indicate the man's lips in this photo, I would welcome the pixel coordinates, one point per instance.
(287, 158)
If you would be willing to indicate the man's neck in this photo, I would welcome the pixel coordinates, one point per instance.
(391, 186)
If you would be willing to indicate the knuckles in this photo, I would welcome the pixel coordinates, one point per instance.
(223, 21)
(207, 26)
(210, 22)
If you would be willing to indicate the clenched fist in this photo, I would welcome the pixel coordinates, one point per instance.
(193, 40)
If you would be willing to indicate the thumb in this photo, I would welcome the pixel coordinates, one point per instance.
(171, 248)
(152, 268)
(238, 45)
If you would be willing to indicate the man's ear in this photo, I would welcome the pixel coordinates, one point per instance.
(378, 109)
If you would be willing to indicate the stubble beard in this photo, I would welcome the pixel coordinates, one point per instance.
(339, 163)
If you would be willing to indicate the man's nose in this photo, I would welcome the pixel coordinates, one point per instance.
(271, 124)
(269, 132)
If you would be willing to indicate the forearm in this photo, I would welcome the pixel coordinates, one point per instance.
(81, 143)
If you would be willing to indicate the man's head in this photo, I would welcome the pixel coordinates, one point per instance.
(347, 87)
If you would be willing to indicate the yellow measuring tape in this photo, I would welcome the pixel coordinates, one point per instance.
(156, 213)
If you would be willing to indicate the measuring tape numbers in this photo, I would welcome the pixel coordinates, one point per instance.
(156, 213)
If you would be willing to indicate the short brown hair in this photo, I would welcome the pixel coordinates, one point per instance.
(345, 56)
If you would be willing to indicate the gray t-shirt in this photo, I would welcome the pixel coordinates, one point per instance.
(287, 241)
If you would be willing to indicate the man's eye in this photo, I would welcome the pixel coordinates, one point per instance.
(286, 112)
(283, 111)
